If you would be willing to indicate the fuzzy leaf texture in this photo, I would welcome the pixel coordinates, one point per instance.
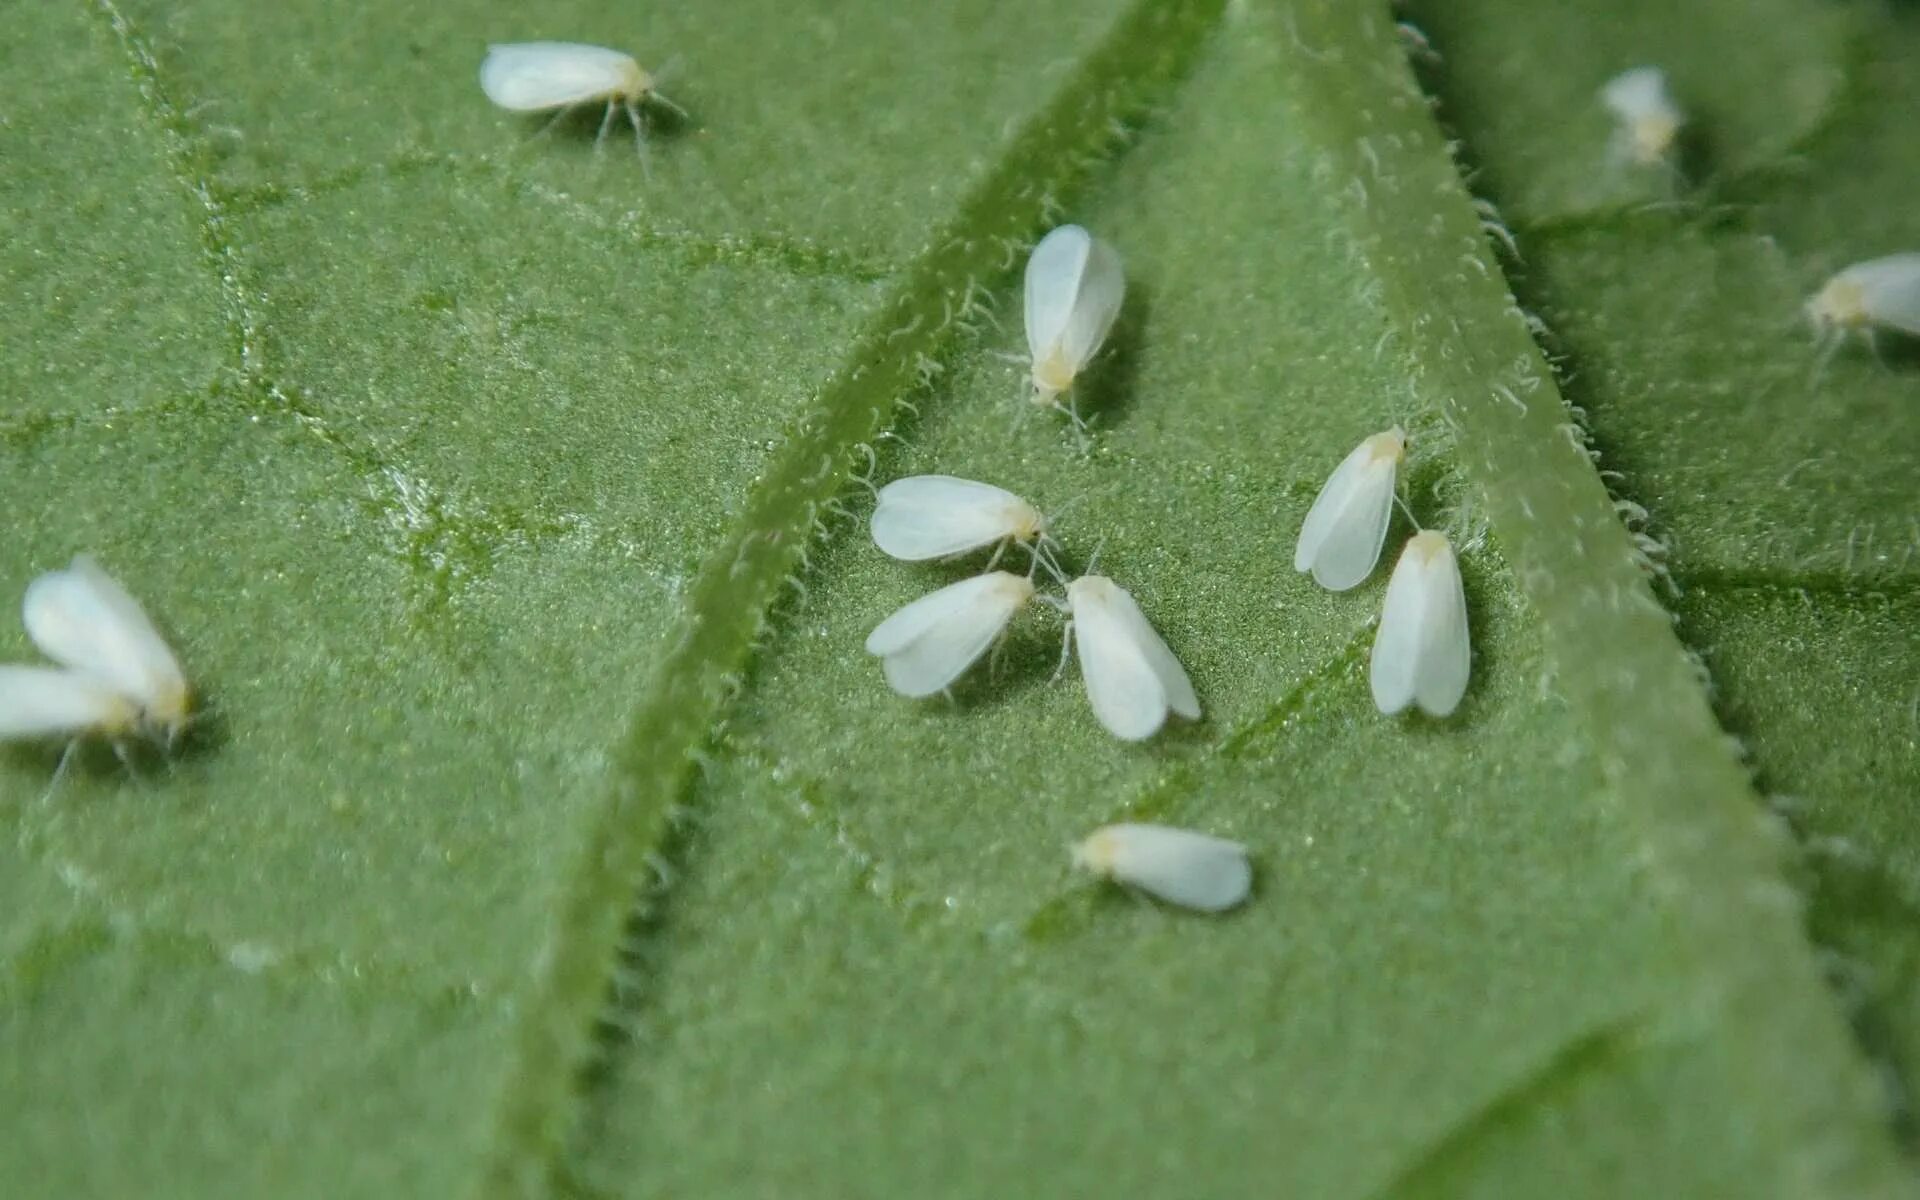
(548, 833)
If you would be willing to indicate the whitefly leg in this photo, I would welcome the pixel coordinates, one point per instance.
(60, 771)
(125, 756)
(606, 123)
(1066, 651)
(1830, 341)
(566, 110)
(639, 137)
(1020, 416)
(1045, 552)
(1873, 345)
(1079, 426)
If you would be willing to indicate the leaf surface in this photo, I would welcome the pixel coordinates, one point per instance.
(549, 832)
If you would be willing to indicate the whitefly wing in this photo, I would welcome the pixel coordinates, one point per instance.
(1421, 652)
(1637, 93)
(1890, 290)
(1103, 287)
(930, 642)
(1166, 668)
(1193, 870)
(933, 516)
(1341, 538)
(1132, 679)
(1054, 271)
(82, 618)
(530, 76)
(1395, 664)
(1127, 695)
(47, 702)
(913, 619)
(1446, 653)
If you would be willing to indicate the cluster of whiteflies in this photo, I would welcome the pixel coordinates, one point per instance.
(1074, 287)
(117, 677)
(1132, 679)
(1421, 654)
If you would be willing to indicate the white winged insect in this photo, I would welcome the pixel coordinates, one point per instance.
(1421, 654)
(550, 76)
(1132, 679)
(1341, 538)
(931, 642)
(1074, 287)
(1880, 292)
(1649, 120)
(38, 702)
(938, 516)
(84, 620)
(1192, 870)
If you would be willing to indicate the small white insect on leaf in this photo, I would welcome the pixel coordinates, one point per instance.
(1878, 293)
(931, 642)
(1074, 287)
(549, 76)
(83, 619)
(1649, 120)
(1341, 538)
(1132, 679)
(938, 516)
(39, 702)
(1192, 870)
(1421, 653)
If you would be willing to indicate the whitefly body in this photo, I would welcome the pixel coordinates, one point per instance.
(1074, 288)
(1649, 119)
(937, 516)
(1341, 538)
(84, 620)
(1192, 870)
(1880, 293)
(931, 642)
(1421, 653)
(1133, 680)
(533, 77)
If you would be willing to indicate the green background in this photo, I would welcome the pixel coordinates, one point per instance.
(550, 834)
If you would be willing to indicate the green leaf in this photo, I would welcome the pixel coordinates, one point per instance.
(550, 832)
(1783, 492)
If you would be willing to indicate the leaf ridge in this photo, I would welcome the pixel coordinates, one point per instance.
(1713, 856)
